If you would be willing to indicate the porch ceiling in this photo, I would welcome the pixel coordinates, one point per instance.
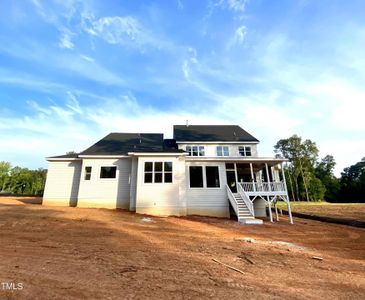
(257, 162)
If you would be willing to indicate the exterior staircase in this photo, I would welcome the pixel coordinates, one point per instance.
(243, 213)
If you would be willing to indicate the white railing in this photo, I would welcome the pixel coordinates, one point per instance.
(246, 199)
(233, 200)
(263, 186)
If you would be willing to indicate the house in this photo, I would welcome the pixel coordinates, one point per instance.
(209, 170)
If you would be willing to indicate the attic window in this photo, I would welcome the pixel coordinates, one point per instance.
(108, 172)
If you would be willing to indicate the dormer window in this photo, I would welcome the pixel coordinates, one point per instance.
(195, 150)
(244, 151)
(222, 151)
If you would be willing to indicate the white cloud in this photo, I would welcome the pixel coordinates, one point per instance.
(237, 5)
(238, 38)
(240, 34)
(116, 30)
(65, 41)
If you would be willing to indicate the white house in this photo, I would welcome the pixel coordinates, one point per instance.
(209, 170)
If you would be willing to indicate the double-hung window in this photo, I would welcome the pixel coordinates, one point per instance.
(222, 151)
(195, 150)
(158, 172)
(244, 151)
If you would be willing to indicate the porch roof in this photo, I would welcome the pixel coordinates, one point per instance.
(271, 161)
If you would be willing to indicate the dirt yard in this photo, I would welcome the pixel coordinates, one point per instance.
(75, 253)
(352, 211)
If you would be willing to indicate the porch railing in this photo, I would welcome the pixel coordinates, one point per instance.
(263, 186)
(246, 199)
(233, 200)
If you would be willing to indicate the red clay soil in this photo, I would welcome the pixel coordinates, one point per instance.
(75, 253)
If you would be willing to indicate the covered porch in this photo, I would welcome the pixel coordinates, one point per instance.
(259, 182)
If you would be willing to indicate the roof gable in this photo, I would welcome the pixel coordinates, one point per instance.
(212, 133)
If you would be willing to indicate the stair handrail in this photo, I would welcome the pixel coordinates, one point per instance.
(246, 199)
(233, 200)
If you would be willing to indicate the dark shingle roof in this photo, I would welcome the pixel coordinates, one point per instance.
(122, 143)
(212, 133)
(70, 155)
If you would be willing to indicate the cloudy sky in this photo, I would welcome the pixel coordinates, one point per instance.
(72, 71)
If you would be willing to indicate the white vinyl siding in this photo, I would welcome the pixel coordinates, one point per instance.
(62, 183)
(160, 199)
(207, 201)
(106, 192)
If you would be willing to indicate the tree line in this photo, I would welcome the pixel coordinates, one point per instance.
(17, 180)
(312, 179)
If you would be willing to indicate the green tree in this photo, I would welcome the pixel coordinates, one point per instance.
(352, 183)
(4, 174)
(302, 157)
(324, 172)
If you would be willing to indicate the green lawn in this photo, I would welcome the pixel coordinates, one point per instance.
(355, 211)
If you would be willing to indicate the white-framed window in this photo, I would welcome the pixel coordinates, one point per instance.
(198, 180)
(108, 172)
(158, 172)
(244, 151)
(87, 175)
(212, 176)
(196, 176)
(195, 150)
(222, 151)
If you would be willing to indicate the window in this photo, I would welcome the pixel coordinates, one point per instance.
(222, 151)
(212, 175)
(244, 151)
(195, 150)
(158, 172)
(167, 171)
(108, 172)
(196, 177)
(148, 172)
(87, 173)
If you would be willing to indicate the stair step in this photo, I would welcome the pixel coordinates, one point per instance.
(251, 221)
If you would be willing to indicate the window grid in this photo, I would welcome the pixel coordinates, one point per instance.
(158, 172)
(195, 150)
(244, 151)
(222, 151)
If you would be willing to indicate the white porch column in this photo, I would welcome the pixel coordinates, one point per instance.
(270, 212)
(268, 177)
(287, 197)
(289, 212)
(236, 176)
(252, 178)
(284, 179)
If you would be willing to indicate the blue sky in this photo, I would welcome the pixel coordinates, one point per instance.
(72, 71)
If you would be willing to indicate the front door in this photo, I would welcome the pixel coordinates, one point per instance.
(231, 181)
